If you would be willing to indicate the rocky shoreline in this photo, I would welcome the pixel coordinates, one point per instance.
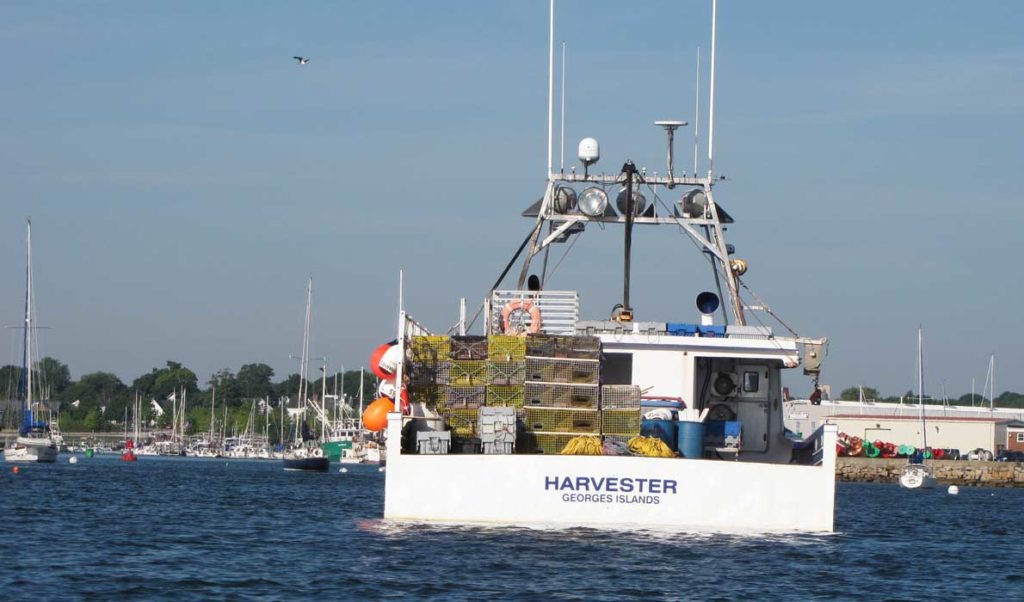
(948, 472)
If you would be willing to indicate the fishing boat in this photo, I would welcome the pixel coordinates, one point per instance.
(538, 419)
(35, 441)
(916, 474)
(305, 453)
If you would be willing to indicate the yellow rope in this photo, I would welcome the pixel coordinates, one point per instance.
(651, 447)
(583, 446)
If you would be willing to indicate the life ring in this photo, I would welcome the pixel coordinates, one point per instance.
(520, 306)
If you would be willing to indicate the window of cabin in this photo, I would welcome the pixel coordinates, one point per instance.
(1020, 437)
(617, 369)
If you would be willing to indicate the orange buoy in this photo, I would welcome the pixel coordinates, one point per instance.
(509, 326)
(375, 417)
(375, 358)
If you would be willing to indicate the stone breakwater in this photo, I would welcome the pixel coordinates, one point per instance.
(948, 472)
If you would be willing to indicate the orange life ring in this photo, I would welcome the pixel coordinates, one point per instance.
(520, 305)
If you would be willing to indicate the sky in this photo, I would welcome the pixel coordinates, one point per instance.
(184, 174)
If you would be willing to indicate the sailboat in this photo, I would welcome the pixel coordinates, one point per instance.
(304, 453)
(35, 441)
(916, 474)
(128, 453)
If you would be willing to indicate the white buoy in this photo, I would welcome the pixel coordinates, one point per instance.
(342, 469)
(381, 469)
(953, 490)
(73, 460)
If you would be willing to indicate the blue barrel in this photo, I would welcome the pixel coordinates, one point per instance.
(662, 429)
(691, 439)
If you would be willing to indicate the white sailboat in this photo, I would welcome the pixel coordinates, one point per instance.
(35, 441)
(304, 453)
(918, 475)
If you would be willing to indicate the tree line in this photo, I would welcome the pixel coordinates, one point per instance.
(1006, 399)
(99, 401)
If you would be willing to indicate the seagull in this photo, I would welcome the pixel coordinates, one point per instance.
(302, 60)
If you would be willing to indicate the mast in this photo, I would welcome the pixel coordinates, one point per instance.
(551, 81)
(920, 388)
(361, 371)
(711, 99)
(27, 359)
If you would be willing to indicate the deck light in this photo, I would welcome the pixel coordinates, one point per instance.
(564, 200)
(693, 204)
(593, 201)
(639, 202)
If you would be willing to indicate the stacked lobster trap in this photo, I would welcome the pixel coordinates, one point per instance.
(550, 385)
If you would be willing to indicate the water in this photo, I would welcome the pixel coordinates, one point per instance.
(179, 529)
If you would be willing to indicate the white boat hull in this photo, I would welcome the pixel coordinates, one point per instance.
(29, 449)
(612, 491)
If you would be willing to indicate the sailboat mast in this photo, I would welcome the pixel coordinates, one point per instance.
(920, 387)
(27, 359)
(362, 370)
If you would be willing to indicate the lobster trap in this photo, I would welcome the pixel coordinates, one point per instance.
(560, 370)
(468, 373)
(429, 349)
(505, 396)
(468, 348)
(464, 398)
(563, 346)
(429, 373)
(506, 348)
(561, 420)
(430, 395)
(555, 395)
(620, 396)
(543, 443)
(461, 422)
(620, 422)
(506, 373)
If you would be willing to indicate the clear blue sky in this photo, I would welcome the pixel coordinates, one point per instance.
(184, 174)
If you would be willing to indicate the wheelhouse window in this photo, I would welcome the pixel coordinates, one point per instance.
(617, 369)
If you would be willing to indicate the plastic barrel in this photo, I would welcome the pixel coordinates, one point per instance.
(871, 452)
(927, 454)
(662, 429)
(691, 439)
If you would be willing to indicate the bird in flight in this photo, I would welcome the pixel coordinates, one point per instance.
(302, 60)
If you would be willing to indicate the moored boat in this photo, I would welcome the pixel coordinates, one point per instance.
(538, 420)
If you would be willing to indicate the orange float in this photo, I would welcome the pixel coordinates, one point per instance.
(516, 306)
(375, 417)
(376, 357)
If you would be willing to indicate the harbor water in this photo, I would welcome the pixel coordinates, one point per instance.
(180, 529)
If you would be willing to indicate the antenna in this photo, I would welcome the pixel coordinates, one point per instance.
(696, 116)
(711, 100)
(551, 79)
(670, 128)
(561, 164)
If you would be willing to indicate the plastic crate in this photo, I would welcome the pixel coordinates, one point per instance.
(467, 373)
(462, 423)
(431, 395)
(498, 447)
(429, 373)
(429, 348)
(506, 373)
(497, 425)
(562, 420)
(506, 348)
(712, 331)
(681, 329)
(559, 370)
(433, 442)
(555, 395)
(505, 396)
(620, 396)
(543, 443)
(468, 348)
(620, 422)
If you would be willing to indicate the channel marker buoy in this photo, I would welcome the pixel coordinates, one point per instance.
(953, 490)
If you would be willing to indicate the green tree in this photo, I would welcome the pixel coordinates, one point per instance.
(853, 394)
(228, 391)
(1009, 399)
(254, 380)
(54, 375)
